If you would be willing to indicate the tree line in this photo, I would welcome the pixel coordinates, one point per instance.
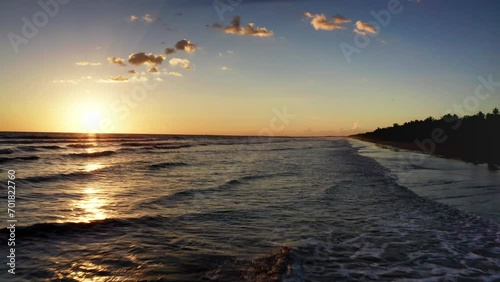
(474, 138)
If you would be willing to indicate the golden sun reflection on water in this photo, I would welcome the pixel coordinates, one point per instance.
(92, 166)
(92, 206)
(84, 272)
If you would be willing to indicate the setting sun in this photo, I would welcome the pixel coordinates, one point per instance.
(90, 120)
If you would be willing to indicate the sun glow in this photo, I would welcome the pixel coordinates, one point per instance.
(91, 120)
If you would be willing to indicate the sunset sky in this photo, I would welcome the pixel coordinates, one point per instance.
(104, 66)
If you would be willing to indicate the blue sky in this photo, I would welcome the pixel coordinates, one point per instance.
(427, 59)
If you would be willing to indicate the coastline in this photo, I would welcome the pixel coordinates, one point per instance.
(447, 152)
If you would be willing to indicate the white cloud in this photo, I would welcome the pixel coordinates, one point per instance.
(184, 63)
(148, 18)
(132, 18)
(66, 81)
(174, 73)
(171, 73)
(364, 28)
(87, 63)
(320, 22)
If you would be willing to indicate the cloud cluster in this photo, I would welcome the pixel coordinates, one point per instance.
(364, 28)
(183, 63)
(87, 63)
(320, 22)
(116, 60)
(145, 58)
(185, 45)
(248, 30)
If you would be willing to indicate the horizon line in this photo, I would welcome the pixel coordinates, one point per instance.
(182, 134)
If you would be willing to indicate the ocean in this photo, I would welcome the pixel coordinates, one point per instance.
(214, 208)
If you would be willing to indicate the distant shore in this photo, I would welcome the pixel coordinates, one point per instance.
(469, 138)
(449, 152)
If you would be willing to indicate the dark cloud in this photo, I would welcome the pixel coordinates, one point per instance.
(143, 58)
(186, 45)
(169, 51)
(215, 25)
